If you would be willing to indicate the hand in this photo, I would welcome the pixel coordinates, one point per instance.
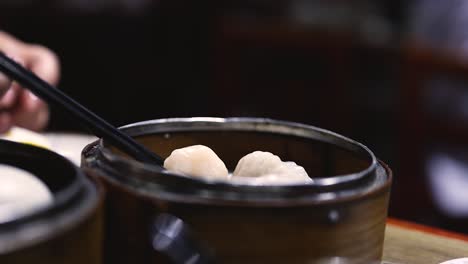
(19, 107)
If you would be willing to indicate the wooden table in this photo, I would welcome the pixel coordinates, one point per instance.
(409, 243)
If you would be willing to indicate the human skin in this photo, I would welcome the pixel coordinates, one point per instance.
(18, 106)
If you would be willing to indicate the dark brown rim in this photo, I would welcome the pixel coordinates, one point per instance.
(71, 205)
(143, 184)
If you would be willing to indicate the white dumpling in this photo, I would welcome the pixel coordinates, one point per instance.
(21, 193)
(293, 170)
(256, 164)
(197, 160)
(272, 179)
(267, 168)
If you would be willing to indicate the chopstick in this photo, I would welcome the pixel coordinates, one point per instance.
(97, 125)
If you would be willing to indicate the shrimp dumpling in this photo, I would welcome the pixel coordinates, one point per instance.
(197, 160)
(266, 168)
(272, 179)
(257, 163)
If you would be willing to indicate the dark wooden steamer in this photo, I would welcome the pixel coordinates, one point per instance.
(336, 219)
(68, 231)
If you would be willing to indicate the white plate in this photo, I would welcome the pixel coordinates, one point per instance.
(69, 145)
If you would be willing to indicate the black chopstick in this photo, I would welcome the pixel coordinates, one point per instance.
(57, 98)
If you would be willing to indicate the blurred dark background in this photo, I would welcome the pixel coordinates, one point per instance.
(390, 74)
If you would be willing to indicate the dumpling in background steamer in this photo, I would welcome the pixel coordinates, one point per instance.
(21, 193)
(197, 160)
(260, 167)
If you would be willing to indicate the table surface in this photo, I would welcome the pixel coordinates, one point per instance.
(409, 243)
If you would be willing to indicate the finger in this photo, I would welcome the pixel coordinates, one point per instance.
(9, 99)
(5, 122)
(44, 63)
(30, 112)
(5, 84)
(10, 44)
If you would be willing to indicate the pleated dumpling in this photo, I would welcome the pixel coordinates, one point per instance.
(260, 167)
(198, 161)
